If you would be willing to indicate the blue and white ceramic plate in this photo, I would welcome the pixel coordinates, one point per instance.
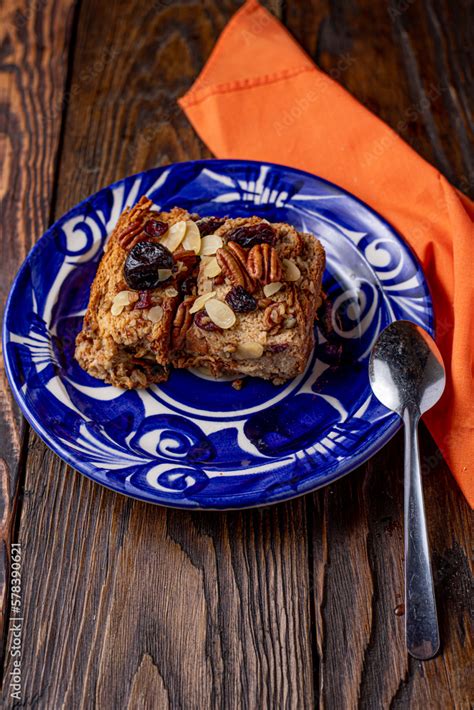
(195, 442)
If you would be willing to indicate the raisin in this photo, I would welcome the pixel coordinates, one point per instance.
(154, 228)
(144, 300)
(142, 263)
(203, 321)
(188, 286)
(240, 300)
(208, 225)
(249, 236)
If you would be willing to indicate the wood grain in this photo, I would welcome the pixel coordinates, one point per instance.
(33, 42)
(129, 602)
(129, 605)
(413, 71)
(408, 61)
(132, 605)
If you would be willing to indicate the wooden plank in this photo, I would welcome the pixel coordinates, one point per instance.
(358, 572)
(129, 605)
(408, 62)
(126, 604)
(33, 39)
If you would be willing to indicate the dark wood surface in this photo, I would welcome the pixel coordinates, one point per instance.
(127, 605)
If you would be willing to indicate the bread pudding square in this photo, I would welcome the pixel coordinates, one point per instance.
(127, 329)
(256, 304)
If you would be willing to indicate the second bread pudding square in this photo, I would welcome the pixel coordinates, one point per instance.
(126, 338)
(257, 298)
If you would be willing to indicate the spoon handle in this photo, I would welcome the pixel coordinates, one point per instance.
(421, 622)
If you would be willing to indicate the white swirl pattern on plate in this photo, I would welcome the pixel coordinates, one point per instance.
(162, 444)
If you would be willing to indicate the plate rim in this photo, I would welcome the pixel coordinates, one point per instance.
(393, 422)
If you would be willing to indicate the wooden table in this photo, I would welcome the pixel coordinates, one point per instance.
(128, 605)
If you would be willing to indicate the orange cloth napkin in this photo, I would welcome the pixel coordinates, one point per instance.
(261, 97)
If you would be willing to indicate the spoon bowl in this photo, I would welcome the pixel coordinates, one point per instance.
(406, 368)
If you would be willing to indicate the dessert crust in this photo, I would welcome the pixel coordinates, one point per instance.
(134, 344)
(128, 350)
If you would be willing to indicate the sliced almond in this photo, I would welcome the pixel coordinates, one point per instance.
(210, 244)
(124, 298)
(212, 268)
(249, 351)
(220, 313)
(200, 301)
(171, 292)
(155, 314)
(272, 288)
(116, 309)
(174, 236)
(164, 274)
(290, 271)
(192, 238)
(290, 322)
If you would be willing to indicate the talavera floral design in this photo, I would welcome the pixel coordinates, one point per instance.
(194, 442)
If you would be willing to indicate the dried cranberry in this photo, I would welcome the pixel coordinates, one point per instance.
(154, 228)
(208, 225)
(142, 264)
(248, 236)
(144, 300)
(240, 300)
(203, 321)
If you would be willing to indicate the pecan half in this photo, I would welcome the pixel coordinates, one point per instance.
(128, 236)
(273, 315)
(187, 256)
(140, 237)
(263, 263)
(234, 269)
(143, 205)
(182, 322)
(291, 298)
(239, 253)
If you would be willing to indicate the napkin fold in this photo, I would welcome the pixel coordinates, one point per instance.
(261, 97)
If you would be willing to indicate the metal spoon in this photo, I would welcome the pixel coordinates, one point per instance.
(407, 375)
